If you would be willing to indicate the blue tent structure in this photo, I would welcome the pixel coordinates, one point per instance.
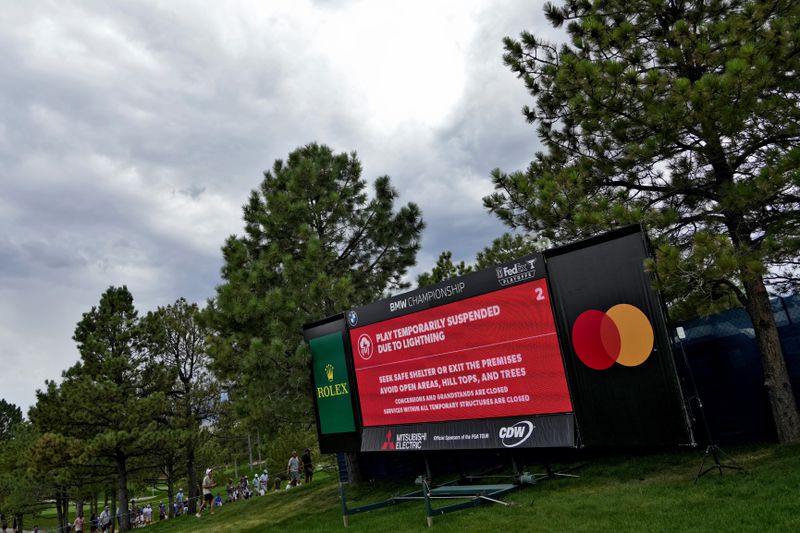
(723, 356)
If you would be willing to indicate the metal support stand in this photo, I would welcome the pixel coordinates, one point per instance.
(715, 452)
(552, 474)
(522, 477)
(343, 499)
(712, 450)
(474, 494)
(347, 511)
(427, 466)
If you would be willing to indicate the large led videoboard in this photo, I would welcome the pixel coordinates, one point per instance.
(568, 348)
(488, 356)
(451, 366)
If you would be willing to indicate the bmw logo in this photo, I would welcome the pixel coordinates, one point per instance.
(352, 318)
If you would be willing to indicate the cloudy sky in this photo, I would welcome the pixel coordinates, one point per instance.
(132, 132)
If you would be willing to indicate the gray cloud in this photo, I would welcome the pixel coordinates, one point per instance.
(132, 133)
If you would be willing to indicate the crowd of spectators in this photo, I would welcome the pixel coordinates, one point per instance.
(142, 515)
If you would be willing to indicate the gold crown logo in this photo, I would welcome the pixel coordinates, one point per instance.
(329, 372)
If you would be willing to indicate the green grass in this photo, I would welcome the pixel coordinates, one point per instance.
(614, 493)
(48, 518)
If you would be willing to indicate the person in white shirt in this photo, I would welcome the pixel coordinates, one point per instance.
(105, 520)
(179, 502)
(148, 514)
(264, 481)
(293, 469)
(208, 497)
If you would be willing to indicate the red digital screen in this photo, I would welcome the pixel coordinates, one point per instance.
(493, 355)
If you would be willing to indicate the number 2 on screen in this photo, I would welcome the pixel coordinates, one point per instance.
(539, 294)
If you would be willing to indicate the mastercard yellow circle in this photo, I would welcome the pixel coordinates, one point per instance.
(635, 334)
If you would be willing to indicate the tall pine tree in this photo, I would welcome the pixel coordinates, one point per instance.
(177, 342)
(683, 114)
(314, 244)
(112, 399)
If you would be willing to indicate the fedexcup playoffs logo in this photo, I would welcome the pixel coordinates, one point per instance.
(365, 346)
(513, 436)
(352, 318)
(623, 335)
(519, 272)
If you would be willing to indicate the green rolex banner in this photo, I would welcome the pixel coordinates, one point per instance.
(332, 384)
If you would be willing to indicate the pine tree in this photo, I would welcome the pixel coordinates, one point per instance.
(177, 342)
(315, 243)
(507, 247)
(21, 492)
(10, 416)
(682, 114)
(112, 399)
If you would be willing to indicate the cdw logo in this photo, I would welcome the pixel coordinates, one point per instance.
(515, 435)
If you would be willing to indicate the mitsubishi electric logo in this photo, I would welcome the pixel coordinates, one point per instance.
(513, 436)
(388, 444)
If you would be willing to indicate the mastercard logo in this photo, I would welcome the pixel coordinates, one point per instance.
(623, 335)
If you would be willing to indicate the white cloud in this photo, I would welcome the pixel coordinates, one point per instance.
(405, 62)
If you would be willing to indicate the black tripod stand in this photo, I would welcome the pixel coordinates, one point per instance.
(713, 452)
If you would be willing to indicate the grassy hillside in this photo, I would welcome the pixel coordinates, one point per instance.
(653, 493)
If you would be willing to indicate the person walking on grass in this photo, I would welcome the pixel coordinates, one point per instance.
(208, 498)
(77, 527)
(179, 502)
(308, 466)
(293, 469)
(263, 481)
(105, 520)
(229, 490)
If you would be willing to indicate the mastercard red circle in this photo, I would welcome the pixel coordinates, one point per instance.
(621, 335)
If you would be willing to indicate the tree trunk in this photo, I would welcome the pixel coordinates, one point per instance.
(122, 493)
(65, 505)
(62, 508)
(170, 490)
(113, 510)
(776, 377)
(353, 468)
(192, 475)
(59, 511)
